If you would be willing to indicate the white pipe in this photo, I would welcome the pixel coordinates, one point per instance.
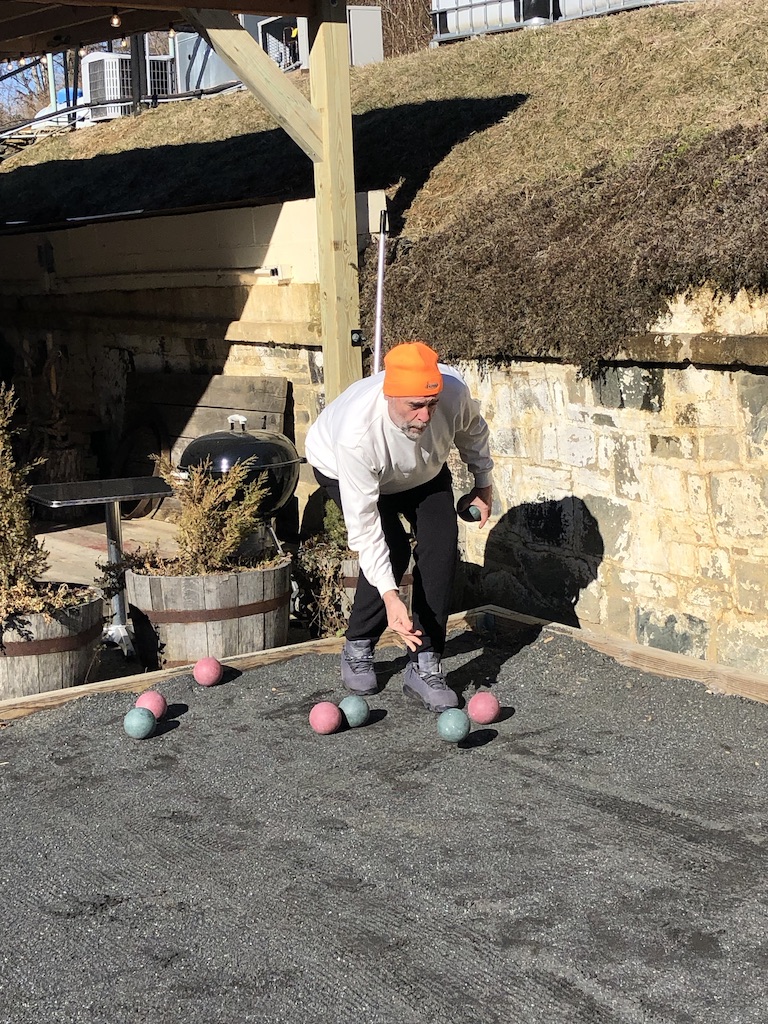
(379, 293)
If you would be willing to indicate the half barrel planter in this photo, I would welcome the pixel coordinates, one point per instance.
(51, 652)
(179, 619)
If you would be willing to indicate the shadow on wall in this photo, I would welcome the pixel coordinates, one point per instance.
(538, 559)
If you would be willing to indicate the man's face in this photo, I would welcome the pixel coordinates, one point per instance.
(411, 415)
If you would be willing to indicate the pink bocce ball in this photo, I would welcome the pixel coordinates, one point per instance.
(208, 671)
(325, 717)
(154, 702)
(483, 708)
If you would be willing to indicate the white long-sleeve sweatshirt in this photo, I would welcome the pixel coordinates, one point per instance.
(355, 442)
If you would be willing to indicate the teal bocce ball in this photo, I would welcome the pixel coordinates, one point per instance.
(355, 710)
(453, 725)
(139, 723)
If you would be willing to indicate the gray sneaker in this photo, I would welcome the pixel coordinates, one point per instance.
(357, 667)
(425, 680)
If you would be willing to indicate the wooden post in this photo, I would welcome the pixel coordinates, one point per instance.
(335, 196)
(323, 129)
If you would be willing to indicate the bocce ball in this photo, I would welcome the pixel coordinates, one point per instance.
(208, 671)
(154, 701)
(483, 707)
(325, 717)
(453, 725)
(139, 723)
(355, 710)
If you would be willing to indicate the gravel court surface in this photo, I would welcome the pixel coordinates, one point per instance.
(597, 855)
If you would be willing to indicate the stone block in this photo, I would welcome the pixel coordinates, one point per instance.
(715, 564)
(508, 441)
(720, 448)
(667, 488)
(753, 394)
(698, 494)
(740, 503)
(618, 616)
(629, 467)
(610, 521)
(601, 419)
(673, 447)
(648, 587)
(743, 646)
(630, 387)
(675, 632)
(750, 581)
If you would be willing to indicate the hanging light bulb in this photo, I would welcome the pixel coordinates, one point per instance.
(22, 61)
(124, 43)
(171, 32)
(115, 21)
(82, 51)
(9, 65)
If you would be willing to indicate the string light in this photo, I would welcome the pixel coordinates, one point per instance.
(124, 43)
(115, 21)
(171, 31)
(22, 61)
(82, 52)
(9, 65)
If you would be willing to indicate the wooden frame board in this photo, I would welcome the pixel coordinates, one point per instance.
(485, 619)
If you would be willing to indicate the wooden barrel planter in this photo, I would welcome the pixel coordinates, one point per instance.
(180, 619)
(351, 569)
(51, 652)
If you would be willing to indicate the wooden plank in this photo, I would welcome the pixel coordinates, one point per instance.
(20, 707)
(220, 591)
(220, 391)
(335, 197)
(192, 422)
(718, 678)
(261, 75)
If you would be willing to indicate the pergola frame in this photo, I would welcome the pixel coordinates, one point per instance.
(320, 126)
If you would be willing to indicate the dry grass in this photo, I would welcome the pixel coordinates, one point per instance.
(512, 163)
(603, 87)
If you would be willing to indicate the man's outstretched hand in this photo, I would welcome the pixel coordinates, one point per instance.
(399, 621)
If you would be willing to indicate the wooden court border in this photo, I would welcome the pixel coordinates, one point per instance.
(485, 619)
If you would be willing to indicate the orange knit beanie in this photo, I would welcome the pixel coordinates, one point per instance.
(410, 371)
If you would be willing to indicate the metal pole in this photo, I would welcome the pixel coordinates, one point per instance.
(379, 292)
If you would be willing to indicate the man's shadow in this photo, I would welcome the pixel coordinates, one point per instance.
(538, 559)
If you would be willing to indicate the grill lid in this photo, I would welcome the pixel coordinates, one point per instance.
(273, 454)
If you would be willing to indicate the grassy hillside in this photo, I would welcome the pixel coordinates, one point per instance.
(549, 188)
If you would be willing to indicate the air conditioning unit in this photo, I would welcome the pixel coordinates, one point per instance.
(107, 84)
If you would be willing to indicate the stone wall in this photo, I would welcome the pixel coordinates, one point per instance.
(636, 504)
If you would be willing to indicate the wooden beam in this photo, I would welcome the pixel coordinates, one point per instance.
(262, 76)
(30, 27)
(302, 8)
(485, 619)
(335, 197)
(20, 707)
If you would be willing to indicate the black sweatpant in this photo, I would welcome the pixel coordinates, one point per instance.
(430, 511)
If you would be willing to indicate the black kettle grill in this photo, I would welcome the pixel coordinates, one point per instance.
(273, 454)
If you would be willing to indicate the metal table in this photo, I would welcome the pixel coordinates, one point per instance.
(108, 493)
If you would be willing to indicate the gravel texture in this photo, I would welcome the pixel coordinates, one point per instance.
(596, 855)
